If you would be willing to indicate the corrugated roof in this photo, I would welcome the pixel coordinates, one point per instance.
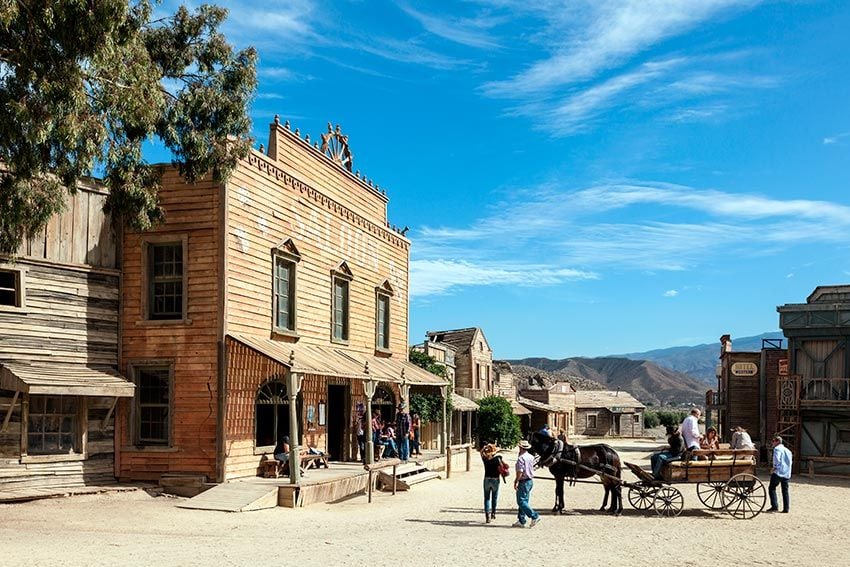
(340, 363)
(463, 404)
(64, 379)
(540, 406)
(606, 399)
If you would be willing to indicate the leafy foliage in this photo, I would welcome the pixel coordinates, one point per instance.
(427, 362)
(650, 419)
(654, 418)
(497, 422)
(429, 406)
(84, 84)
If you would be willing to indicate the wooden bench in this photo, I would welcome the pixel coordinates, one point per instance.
(310, 461)
(827, 462)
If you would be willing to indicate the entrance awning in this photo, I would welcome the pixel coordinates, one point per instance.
(340, 363)
(459, 403)
(64, 380)
(518, 409)
(540, 406)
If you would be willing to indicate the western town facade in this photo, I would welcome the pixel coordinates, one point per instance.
(272, 305)
(59, 334)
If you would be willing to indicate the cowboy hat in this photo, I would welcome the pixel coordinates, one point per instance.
(524, 444)
(488, 449)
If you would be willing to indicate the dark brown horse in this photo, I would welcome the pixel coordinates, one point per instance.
(575, 462)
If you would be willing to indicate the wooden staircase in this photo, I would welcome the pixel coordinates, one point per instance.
(406, 476)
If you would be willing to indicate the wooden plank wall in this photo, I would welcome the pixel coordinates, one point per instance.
(772, 358)
(191, 346)
(743, 395)
(264, 211)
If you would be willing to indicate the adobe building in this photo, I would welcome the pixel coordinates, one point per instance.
(273, 304)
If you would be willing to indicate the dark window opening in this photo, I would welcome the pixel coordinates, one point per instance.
(165, 281)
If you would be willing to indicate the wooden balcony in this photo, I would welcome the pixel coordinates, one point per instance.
(715, 400)
(821, 392)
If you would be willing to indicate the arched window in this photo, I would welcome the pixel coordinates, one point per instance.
(384, 402)
(272, 413)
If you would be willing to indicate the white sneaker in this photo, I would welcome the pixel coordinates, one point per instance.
(518, 524)
(535, 521)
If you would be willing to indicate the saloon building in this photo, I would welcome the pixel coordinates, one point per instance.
(273, 304)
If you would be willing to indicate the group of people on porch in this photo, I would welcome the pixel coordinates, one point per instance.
(391, 439)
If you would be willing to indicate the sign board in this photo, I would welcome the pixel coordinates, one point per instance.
(783, 367)
(745, 369)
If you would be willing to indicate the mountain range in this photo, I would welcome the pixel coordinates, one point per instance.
(668, 376)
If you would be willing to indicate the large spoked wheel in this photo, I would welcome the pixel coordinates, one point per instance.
(668, 502)
(711, 494)
(641, 497)
(744, 496)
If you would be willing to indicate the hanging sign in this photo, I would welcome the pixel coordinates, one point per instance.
(783, 367)
(745, 369)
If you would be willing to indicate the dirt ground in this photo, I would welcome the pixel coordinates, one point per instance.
(437, 523)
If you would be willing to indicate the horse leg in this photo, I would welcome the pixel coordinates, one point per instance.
(605, 500)
(559, 494)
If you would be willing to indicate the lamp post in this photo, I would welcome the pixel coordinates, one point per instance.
(369, 389)
(293, 386)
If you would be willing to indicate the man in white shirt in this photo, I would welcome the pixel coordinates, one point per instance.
(780, 474)
(523, 484)
(690, 430)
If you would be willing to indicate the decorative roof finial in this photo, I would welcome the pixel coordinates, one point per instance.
(335, 146)
(292, 358)
(277, 119)
(262, 148)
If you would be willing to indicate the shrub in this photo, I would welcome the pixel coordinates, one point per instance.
(497, 422)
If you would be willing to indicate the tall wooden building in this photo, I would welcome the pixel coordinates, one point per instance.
(272, 305)
(814, 393)
(474, 376)
(59, 380)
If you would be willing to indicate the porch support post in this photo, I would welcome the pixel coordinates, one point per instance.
(369, 389)
(444, 391)
(9, 413)
(293, 386)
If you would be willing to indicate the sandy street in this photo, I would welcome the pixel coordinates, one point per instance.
(437, 523)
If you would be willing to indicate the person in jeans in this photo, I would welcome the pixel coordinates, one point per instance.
(673, 452)
(523, 484)
(492, 461)
(402, 430)
(779, 475)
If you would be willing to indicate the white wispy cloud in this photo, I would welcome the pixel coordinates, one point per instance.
(562, 234)
(834, 139)
(471, 32)
(671, 293)
(434, 277)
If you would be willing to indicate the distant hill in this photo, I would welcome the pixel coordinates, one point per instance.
(648, 382)
(700, 361)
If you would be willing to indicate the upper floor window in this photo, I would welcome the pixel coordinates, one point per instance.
(286, 257)
(341, 278)
(153, 405)
(166, 281)
(382, 316)
(11, 288)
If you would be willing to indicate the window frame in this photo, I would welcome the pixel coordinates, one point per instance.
(343, 275)
(135, 413)
(292, 258)
(595, 418)
(148, 243)
(19, 273)
(79, 449)
(383, 293)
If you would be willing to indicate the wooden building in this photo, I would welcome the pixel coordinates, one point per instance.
(505, 384)
(59, 379)
(554, 405)
(606, 413)
(272, 305)
(746, 394)
(814, 393)
(473, 361)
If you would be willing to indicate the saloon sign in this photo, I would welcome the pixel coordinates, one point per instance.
(745, 369)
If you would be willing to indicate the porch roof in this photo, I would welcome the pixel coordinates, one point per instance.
(340, 363)
(460, 403)
(64, 379)
(540, 406)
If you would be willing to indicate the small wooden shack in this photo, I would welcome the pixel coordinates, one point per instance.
(608, 413)
(59, 378)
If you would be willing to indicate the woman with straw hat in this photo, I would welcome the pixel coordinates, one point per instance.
(492, 463)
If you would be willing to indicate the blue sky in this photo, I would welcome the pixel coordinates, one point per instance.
(584, 177)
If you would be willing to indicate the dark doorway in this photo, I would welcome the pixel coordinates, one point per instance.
(337, 406)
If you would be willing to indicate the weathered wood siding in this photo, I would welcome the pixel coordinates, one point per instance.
(743, 395)
(70, 288)
(190, 346)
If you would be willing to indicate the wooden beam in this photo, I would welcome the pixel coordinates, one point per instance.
(108, 414)
(9, 413)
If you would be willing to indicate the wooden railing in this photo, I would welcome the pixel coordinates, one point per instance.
(825, 390)
(713, 398)
(451, 449)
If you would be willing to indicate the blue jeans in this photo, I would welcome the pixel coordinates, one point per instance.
(658, 460)
(775, 479)
(491, 494)
(523, 493)
(403, 448)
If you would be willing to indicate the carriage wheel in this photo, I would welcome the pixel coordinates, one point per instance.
(668, 502)
(710, 494)
(744, 496)
(641, 497)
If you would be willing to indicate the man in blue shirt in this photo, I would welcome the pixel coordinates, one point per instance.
(779, 475)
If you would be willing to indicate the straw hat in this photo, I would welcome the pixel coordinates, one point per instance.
(524, 445)
(488, 450)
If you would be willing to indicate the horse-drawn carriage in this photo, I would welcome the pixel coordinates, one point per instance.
(725, 480)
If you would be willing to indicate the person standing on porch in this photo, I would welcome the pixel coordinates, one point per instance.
(415, 427)
(523, 484)
(402, 428)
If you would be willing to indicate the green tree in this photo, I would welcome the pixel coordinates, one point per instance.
(650, 419)
(83, 84)
(497, 422)
(427, 362)
(428, 406)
